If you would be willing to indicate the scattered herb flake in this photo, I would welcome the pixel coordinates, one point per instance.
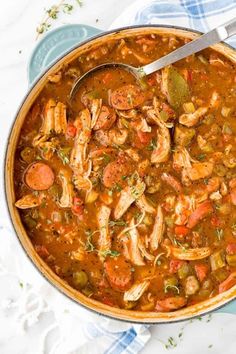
(106, 158)
(152, 145)
(201, 157)
(110, 253)
(219, 234)
(117, 223)
(53, 13)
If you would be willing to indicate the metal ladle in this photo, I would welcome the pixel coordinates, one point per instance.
(212, 37)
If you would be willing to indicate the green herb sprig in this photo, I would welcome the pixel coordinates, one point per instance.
(52, 14)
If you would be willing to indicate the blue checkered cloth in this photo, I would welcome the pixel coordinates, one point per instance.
(201, 15)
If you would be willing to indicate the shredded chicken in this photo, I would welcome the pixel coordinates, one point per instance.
(128, 196)
(67, 189)
(190, 254)
(191, 169)
(136, 291)
(162, 150)
(158, 229)
(191, 119)
(29, 201)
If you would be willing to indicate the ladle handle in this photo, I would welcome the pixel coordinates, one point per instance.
(215, 36)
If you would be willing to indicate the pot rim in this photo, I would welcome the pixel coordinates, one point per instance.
(53, 279)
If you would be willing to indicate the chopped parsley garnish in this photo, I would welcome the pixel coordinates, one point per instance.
(117, 223)
(201, 157)
(152, 145)
(63, 154)
(106, 158)
(110, 253)
(89, 246)
(219, 234)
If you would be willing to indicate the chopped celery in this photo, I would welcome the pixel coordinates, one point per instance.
(184, 271)
(209, 119)
(226, 129)
(225, 111)
(220, 274)
(231, 260)
(183, 135)
(30, 222)
(189, 107)
(171, 283)
(217, 260)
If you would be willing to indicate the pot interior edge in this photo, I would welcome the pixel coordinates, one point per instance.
(131, 316)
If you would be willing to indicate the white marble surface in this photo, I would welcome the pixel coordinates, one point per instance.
(18, 20)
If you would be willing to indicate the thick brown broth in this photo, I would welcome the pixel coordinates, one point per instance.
(129, 192)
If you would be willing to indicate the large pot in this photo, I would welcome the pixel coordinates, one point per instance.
(64, 44)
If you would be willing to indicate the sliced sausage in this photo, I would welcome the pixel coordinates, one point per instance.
(118, 272)
(106, 118)
(127, 97)
(170, 304)
(39, 176)
(114, 171)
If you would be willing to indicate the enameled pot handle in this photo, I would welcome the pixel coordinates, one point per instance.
(54, 44)
(229, 308)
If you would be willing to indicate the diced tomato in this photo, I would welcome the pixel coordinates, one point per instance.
(151, 80)
(215, 221)
(228, 283)
(231, 248)
(201, 270)
(77, 207)
(181, 230)
(42, 251)
(71, 130)
(175, 265)
(107, 300)
(166, 108)
(144, 137)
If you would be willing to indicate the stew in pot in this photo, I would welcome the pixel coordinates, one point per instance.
(129, 191)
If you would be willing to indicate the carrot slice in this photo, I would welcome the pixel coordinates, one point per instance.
(200, 213)
(39, 176)
(119, 273)
(127, 97)
(201, 271)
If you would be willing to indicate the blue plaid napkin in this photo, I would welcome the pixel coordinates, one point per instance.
(201, 15)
